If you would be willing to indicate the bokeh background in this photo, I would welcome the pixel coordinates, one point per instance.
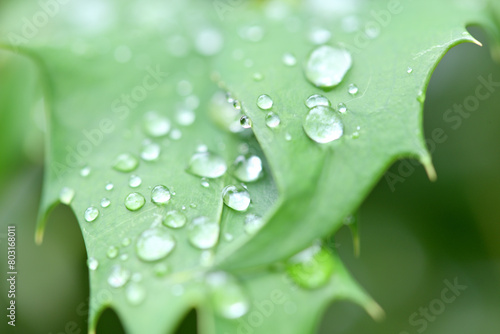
(412, 239)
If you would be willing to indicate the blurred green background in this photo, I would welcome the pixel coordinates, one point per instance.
(412, 239)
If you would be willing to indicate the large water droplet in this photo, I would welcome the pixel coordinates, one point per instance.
(317, 100)
(264, 102)
(236, 197)
(66, 195)
(134, 181)
(203, 232)
(154, 244)
(160, 194)
(150, 152)
(227, 296)
(134, 201)
(156, 125)
(289, 59)
(253, 223)
(327, 66)
(118, 276)
(247, 168)
(126, 162)
(311, 268)
(323, 125)
(92, 263)
(272, 120)
(91, 214)
(174, 219)
(135, 293)
(207, 164)
(245, 122)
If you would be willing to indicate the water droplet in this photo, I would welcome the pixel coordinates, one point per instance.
(134, 201)
(323, 125)
(154, 244)
(204, 183)
(66, 195)
(126, 242)
(237, 105)
(245, 122)
(185, 117)
(91, 214)
(105, 202)
(112, 252)
(257, 76)
(209, 41)
(342, 108)
(253, 223)
(135, 293)
(203, 232)
(355, 135)
(288, 136)
(126, 163)
(227, 296)
(160, 194)
(176, 134)
(155, 125)
(228, 236)
(264, 102)
(235, 197)
(118, 276)
(319, 36)
(109, 186)
(372, 32)
(207, 258)
(409, 70)
(134, 181)
(289, 59)
(317, 100)
(311, 268)
(352, 89)
(85, 171)
(161, 269)
(124, 257)
(174, 219)
(247, 168)
(207, 164)
(327, 66)
(193, 205)
(272, 120)
(150, 152)
(92, 263)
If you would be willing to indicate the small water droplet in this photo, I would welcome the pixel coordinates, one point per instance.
(272, 120)
(289, 59)
(319, 36)
(409, 70)
(135, 293)
(185, 117)
(327, 66)
(134, 181)
(317, 100)
(105, 202)
(227, 296)
(134, 201)
(207, 258)
(228, 236)
(372, 32)
(245, 122)
(176, 134)
(66, 195)
(203, 232)
(201, 148)
(118, 276)
(253, 224)
(257, 76)
(124, 257)
(323, 125)
(155, 125)
(229, 98)
(150, 152)
(237, 105)
(112, 252)
(352, 89)
(288, 136)
(204, 183)
(311, 268)
(126, 242)
(161, 269)
(235, 197)
(91, 214)
(174, 219)
(92, 263)
(193, 205)
(160, 194)
(342, 108)
(264, 102)
(109, 186)
(154, 244)
(85, 171)
(247, 168)
(207, 164)
(126, 163)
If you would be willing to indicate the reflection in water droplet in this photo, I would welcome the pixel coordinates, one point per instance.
(66, 195)
(352, 89)
(91, 214)
(289, 59)
(247, 168)
(317, 100)
(237, 105)
(134, 181)
(207, 164)
(134, 201)
(150, 152)
(311, 268)
(105, 202)
(156, 125)
(174, 219)
(160, 194)
(227, 295)
(272, 120)
(203, 233)
(245, 122)
(327, 66)
(264, 102)
(235, 197)
(154, 244)
(118, 277)
(126, 163)
(92, 263)
(135, 293)
(323, 125)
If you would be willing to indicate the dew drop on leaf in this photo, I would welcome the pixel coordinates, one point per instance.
(207, 164)
(327, 66)
(311, 268)
(245, 122)
(203, 232)
(264, 102)
(118, 276)
(319, 36)
(112, 252)
(352, 89)
(160, 194)
(247, 168)
(66, 195)
(134, 181)
(109, 186)
(289, 59)
(257, 76)
(236, 197)
(150, 152)
(409, 70)
(105, 202)
(155, 125)
(92, 263)
(85, 171)
(253, 223)
(160, 269)
(91, 214)
(135, 293)
(185, 117)
(227, 295)
(126, 162)
(134, 201)
(174, 219)
(317, 100)
(154, 244)
(342, 108)
(126, 242)
(272, 120)
(323, 125)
